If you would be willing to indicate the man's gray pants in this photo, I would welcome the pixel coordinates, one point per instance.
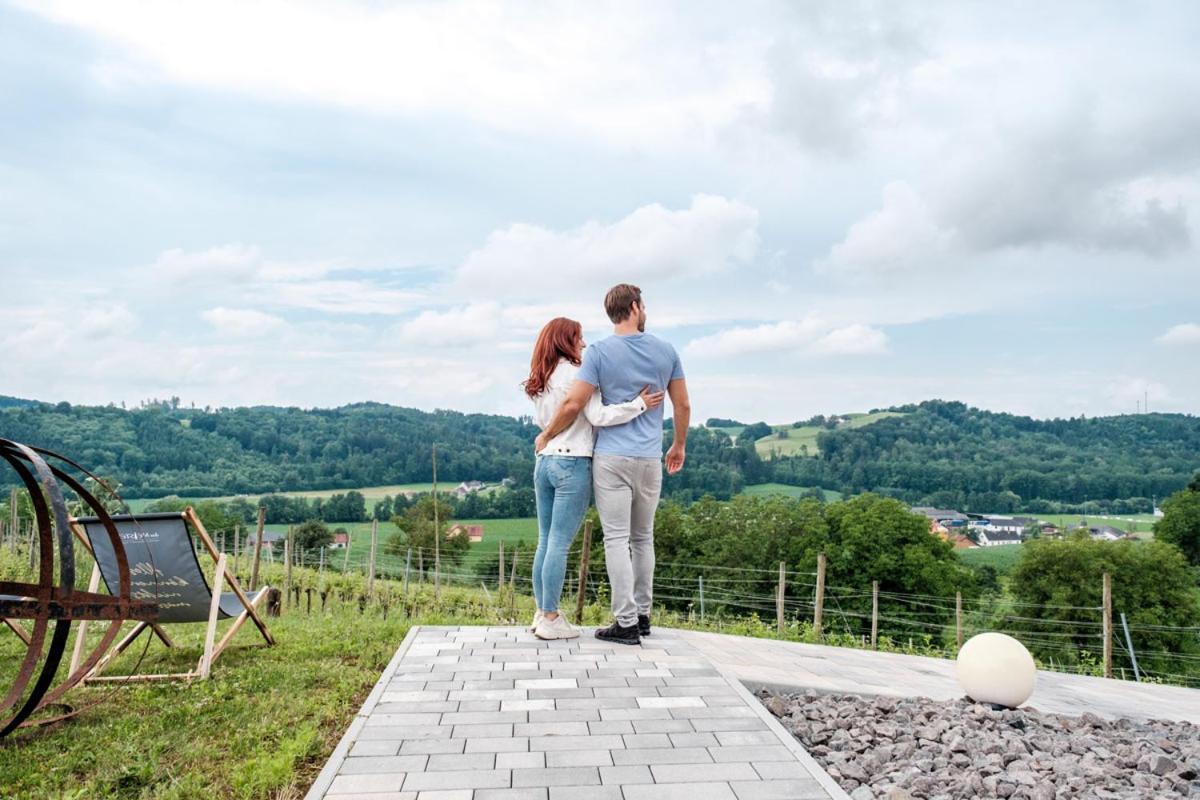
(627, 491)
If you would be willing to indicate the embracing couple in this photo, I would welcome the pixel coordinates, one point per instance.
(600, 411)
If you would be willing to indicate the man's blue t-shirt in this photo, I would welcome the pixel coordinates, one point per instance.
(621, 366)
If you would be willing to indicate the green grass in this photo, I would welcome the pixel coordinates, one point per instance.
(773, 489)
(261, 727)
(1134, 523)
(1002, 557)
(803, 440)
(371, 493)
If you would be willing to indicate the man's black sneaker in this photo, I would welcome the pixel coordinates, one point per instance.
(619, 633)
(644, 624)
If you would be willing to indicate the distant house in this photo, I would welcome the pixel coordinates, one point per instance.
(946, 517)
(1102, 533)
(1049, 529)
(473, 533)
(996, 538)
(994, 525)
(961, 542)
(270, 539)
(340, 541)
(468, 487)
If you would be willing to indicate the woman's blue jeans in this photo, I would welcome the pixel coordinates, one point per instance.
(563, 486)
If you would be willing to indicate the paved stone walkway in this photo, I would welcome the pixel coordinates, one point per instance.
(478, 713)
(765, 662)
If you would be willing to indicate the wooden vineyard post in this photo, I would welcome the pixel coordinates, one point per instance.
(779, 598)
(14, 518)
(346, 560)
(1107, 624)
(237, 548)
(258, 537)
(701, 580)
(500, 569)
(287, 561)
(874, 615)
(371, 561)
(437, 535)
(512, 587)
(819, 605)
(958, 619)
(407, 569)
(580, 595)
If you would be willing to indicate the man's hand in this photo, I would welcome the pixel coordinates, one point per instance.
(539, 444)
(675, 458)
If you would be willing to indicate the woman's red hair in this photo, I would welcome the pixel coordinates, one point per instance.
(559, 339)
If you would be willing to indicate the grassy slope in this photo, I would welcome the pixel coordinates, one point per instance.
(807, 436)
(768, 489)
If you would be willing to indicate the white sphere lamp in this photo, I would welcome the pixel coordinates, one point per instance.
(995, 668)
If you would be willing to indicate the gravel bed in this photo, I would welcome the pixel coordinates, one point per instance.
(916, 748)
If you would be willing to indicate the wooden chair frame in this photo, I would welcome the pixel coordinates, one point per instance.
(212, 648)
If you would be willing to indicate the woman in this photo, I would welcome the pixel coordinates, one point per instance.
(562, 477)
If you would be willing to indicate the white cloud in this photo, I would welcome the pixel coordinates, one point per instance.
(242, 322)
(1187, 333)
(472, 324)
(810, 336)
(900, 236)
(852, 340)
(103, 320)
(228, 263)
(651, 243)
(523, 66)
(1125, 392)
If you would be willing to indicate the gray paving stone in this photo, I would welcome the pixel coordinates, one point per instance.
(586, 742)
(355, 784)
(429, 746)
(662, 726)
(687, 773)
(521, 760)
(482, 717)
(779, 790)
(585, 793)
(673, 703)
(662, 755)
(458, 779)
(376, 764)
(739, 738)
(375, 732)
(382, 748)
(612, 726)
(566, 715)
(692, 711)
(551, 729)
(556, 776)
(725, 724)
(452, 761)
(524, 793)
(679, 791)
(442, 794)
(497, 744)
(775, 770)
(752, 753)
(626, 775)
(579, 758)
(635, 713)
(644, 740)
(693, 740)
(481, 731)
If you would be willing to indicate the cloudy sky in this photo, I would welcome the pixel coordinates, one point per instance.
(830, 206)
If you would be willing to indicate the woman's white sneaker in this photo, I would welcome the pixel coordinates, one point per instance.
(557, 628)
(537, 618)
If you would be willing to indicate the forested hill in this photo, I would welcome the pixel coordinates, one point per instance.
(936, 453)
(165, 449)
(949, 454)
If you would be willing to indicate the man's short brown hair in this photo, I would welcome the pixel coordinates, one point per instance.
(618, 303)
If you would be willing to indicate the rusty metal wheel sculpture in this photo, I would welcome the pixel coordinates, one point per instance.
(51, 606)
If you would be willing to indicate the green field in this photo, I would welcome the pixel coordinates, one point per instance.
(1003, 557)
(1133, 523)
(371, 493)
(804, 440)
(773, 489)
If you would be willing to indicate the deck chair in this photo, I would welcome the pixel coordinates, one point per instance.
(165, 569)
(14, 625)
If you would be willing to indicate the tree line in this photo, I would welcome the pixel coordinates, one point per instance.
(938, 453)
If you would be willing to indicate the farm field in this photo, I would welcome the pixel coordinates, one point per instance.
(1134, 523)
(371, 493)
(770, 489)
(1002, 558)
(804, 440)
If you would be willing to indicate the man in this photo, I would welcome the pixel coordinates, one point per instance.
(627, 460)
